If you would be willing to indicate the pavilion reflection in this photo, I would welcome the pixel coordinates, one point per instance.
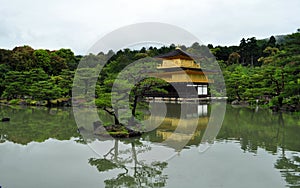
(182, 125)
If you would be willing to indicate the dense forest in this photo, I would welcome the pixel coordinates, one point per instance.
(264, 72)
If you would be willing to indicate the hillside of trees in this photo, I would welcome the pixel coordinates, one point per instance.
(264, 72)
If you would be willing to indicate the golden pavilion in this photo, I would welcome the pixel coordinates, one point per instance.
(186, 77)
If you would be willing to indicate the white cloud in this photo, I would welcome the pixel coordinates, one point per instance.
(78, 24)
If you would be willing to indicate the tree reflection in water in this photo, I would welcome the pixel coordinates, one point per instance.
(134, 171)
(290, 169)
(276, 133)
(288, 164)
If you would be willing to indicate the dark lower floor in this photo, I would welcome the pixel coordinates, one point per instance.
(183, 90)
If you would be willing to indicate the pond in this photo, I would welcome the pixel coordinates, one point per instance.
(42, 147)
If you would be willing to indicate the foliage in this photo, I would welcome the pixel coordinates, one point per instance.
(276, 78)
(253, 70)
(126, 90)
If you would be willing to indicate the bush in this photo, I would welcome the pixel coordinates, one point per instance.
(14, 101)
(294, 100)
(274, 101)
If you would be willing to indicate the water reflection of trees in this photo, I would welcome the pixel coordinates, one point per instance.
(276, 133)
(37, 124)
(288, 164)
(289, 167)
(132, 171)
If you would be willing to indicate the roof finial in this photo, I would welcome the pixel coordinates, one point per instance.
(178, 47)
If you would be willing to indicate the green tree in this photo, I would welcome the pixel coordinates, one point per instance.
(236, 82)
(57, 64)
(14, 85)
(18, 84)
(22, 58)
(5, 57)
(69, 57)
(3, 71)
(249, 51)
(64, 81)
(45, 90)
(272, 42)
(135, 82)
(291, 44)
(233, 58)
(43, 60)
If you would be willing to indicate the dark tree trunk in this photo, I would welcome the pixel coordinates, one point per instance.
(134, 105)
(133, 111)
(282, 81)
(48, 103)
(117, 122)
(237, 93)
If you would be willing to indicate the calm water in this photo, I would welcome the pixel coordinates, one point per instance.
(41, 147)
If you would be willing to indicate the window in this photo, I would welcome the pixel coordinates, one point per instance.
(202, 90)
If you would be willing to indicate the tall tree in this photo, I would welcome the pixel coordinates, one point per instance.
(43, 60)
(272, 42)
(3, 71)
(233, 58)
(22, 58)
(69, 57)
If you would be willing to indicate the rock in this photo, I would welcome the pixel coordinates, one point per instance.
(235, 102)
(134, 133)
(116, 130)
(23, 102)
(274, 108)
(80, 129)
(5, 119)
(97, 124)
(241, 103)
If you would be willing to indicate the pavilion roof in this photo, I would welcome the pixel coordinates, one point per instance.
(175, 53)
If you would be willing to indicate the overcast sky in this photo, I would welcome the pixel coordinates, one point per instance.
(78, 24)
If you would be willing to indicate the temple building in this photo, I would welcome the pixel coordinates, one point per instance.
(186, 77)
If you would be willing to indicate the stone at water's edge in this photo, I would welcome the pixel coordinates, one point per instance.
(5, 119)
(240, 103)
(97, 124)
(117, 131)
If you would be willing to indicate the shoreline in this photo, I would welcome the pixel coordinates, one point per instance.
(67, 102)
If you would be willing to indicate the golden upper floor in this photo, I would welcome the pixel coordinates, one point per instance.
(177, 58)
(170, 63)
